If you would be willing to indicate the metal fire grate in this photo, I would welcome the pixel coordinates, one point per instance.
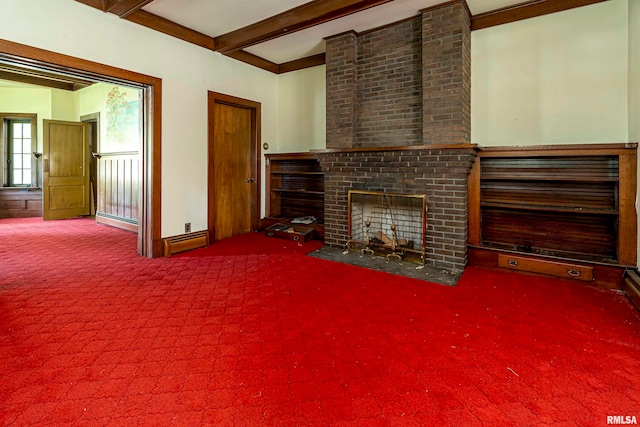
(390, 224)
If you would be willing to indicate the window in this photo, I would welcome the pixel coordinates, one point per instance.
(19, 164)
(19, 153)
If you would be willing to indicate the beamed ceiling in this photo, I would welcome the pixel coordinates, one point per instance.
(287, 35)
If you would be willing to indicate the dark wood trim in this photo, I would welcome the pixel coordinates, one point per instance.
(301, 64)
(305, 16)
(40, 78)
(97, 4)
(473, 197)
(399, 148)
(152, 164)
(530, 9)
(124, 8)
(256, 61)
(554, 150)
(256, 107)
(604, 276)
(299, 18)
(171, 28)
(631, 287)
(628, 221)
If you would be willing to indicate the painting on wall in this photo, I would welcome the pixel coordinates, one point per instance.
(123, 123)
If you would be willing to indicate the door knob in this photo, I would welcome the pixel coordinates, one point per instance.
(250, 180)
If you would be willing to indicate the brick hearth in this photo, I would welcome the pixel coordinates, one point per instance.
(439, 172)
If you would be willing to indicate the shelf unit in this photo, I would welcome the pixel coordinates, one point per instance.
(295, 188)
(548, 206)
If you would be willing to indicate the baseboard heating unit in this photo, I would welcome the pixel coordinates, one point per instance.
(185, 242)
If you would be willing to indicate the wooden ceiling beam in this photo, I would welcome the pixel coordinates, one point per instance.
(300, 64)
(124, 8)
(171, 28)
(305, 16)
(256, 61)
(97, 4)
(526, 10)
(34, 80)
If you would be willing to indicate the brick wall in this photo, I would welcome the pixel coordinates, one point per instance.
(404, 84)
(389, 86)
(341, 88)
(440, 174)
(446, 64)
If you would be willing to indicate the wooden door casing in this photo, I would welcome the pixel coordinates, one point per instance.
(234, 166)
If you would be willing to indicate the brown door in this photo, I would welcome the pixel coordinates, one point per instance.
(65, 170)
(233, 166)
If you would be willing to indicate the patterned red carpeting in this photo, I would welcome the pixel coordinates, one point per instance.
(92, 334)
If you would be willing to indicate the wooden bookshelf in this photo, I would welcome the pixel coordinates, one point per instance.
(295, 188)
(546, 208)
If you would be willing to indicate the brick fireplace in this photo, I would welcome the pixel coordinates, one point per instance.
(398, 120)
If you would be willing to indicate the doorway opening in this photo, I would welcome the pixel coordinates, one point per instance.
(149, 88)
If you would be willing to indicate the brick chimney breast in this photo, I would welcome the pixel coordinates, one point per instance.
(398, 121)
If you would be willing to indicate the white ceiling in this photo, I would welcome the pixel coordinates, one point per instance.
(215, 18)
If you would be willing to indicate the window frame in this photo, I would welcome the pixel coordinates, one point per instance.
(5, 120)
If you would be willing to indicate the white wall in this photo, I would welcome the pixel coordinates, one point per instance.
(302, 111)
(554, 79)
(187, 71)
(30, 101)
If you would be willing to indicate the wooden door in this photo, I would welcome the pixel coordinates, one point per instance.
(233, 166)
(65, 170)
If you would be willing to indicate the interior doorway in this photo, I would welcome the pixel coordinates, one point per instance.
(149, 231)
(234, 166)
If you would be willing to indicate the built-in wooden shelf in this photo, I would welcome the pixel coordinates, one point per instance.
(295, 188)
(574, 203)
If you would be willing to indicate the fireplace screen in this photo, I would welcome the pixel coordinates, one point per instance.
(393, 225)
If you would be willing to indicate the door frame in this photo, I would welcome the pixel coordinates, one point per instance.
(256, 164)
(149, 231)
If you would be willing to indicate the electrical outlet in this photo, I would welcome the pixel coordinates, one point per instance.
(187, 227)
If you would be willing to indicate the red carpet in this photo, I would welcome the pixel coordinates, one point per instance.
(92, 334)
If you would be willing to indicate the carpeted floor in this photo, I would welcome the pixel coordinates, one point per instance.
(253, 333)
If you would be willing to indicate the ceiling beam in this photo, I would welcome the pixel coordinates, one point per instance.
(305, 16)
(300, 64)
(158, 23)
(526, 10)
(124, 8)
(34, 80)
(98, 4)
(41, 78)
(256, 61)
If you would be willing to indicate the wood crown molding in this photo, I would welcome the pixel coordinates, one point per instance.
(529, 9)
(305, 16)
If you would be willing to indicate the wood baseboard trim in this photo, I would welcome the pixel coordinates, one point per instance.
(185, 242)
(631, 287)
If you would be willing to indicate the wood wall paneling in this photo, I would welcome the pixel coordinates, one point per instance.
(20, 203)
(118, 187)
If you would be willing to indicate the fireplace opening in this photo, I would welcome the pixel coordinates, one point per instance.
(387, 224)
